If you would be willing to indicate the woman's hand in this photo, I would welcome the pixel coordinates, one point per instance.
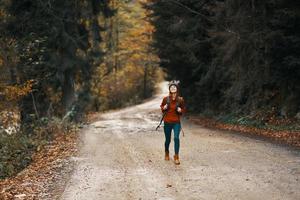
(165, 107)
(179, 110)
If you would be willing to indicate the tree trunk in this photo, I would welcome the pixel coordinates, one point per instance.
(68, 92)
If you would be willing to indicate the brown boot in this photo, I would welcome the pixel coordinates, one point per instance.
(167, 157)
(176, 159)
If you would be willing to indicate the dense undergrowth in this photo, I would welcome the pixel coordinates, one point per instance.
(16, 149)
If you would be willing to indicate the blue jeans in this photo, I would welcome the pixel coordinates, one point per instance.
(168, 127)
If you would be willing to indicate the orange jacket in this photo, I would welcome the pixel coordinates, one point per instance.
(171, 115)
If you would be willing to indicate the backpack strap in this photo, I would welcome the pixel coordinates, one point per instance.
(168, 101)
(179, 101)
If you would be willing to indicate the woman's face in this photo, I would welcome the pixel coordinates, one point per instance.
(173, 89)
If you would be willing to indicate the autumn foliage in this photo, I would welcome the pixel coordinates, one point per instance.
(129, 71)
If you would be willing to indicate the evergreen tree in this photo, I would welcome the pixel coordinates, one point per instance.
(58, 47)
(232, 56)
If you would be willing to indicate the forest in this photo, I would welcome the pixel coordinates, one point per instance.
(60, 60)
(233, 57)
(237, 61)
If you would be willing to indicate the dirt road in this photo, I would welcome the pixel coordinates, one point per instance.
(123, 158)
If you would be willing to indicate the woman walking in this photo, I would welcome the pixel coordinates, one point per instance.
(173, 107)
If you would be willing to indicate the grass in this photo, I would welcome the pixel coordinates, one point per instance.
(15, 153)
(16, 150)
